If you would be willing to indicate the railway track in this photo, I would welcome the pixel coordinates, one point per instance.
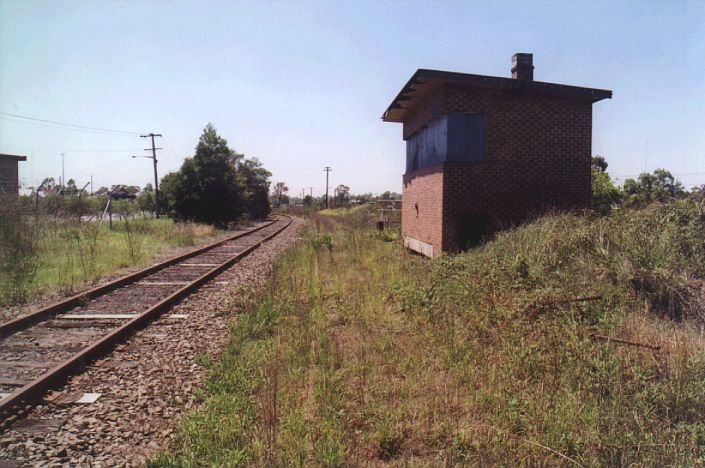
(39, 351)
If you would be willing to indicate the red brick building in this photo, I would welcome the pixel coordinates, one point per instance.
(484, 152)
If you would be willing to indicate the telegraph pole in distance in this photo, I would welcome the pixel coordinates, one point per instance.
(63, 177)
(154, 160)
(327, 171)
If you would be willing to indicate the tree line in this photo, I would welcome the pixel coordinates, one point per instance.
(658, 185)
(217, 185)
(340, 197)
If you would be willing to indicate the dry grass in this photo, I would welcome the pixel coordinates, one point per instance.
(54, 254)
(362, 354)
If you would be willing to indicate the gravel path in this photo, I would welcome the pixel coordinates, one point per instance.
(146, 384)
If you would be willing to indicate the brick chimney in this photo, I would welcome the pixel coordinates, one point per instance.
(523, 67)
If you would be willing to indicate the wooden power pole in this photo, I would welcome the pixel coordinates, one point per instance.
(154, 160)
(327, 171)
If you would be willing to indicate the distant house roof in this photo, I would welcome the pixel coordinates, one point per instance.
(425, 81)
(12, 157)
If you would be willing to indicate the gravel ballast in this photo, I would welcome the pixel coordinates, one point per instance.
(146, 384)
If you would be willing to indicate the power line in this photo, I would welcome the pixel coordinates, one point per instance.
(87, 150)
(56, 127)
(64, 126)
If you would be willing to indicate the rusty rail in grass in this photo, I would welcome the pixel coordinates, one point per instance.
(535, 309)
(610, 339)
(22, 399)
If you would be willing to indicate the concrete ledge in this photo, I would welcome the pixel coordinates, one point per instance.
(418, 246)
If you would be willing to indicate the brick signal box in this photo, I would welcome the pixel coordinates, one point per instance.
(485, 152)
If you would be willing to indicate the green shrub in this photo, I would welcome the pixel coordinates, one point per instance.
(605, 194)
(19, 258)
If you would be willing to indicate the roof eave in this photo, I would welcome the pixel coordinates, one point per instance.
(13, 157)
(423, 76)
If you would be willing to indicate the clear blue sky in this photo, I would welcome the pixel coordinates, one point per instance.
(302, 85)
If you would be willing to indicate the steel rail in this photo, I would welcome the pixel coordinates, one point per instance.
(74, 301)
(22, 399)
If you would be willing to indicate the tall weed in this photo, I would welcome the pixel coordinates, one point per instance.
(19, 245)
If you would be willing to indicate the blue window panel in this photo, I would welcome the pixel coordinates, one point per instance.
(466, 138)
(452, 138)
(428, 146)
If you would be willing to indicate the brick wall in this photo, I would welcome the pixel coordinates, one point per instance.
(8, 177)
(537, 157)
(422, 206)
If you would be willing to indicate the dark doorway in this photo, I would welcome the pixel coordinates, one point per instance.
(472, 230)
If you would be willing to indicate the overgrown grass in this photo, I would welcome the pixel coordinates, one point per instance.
(65, 254)
(360, 353)
(347, 210)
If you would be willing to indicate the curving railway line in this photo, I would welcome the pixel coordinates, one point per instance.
(39, 351)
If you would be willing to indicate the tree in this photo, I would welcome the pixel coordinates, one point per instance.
(667, 184)
(363, 198)
(207, 188)
(256, 194)
(342, 195)
(217, 185)
(389, 196)
(145, 199)
(280, 189)
(70, 188)
(605, 193)
(166, 193)
(655, 186)
(599, 163)
(308, 200)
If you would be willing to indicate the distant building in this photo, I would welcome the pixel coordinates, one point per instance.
(9, 178)
(485, 152)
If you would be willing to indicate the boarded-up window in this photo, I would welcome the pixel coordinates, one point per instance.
(452, 138)
(466, 137)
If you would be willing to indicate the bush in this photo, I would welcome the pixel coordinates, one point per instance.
(18, 251)
(604, 193)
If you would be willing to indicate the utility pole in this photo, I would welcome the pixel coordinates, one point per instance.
(80, 207)
(63, 177)
(154, 160)
(327, 171)
(311, 191)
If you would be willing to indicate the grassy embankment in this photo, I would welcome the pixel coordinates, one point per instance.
(61, 255)
(345, 211)
(359, 353)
